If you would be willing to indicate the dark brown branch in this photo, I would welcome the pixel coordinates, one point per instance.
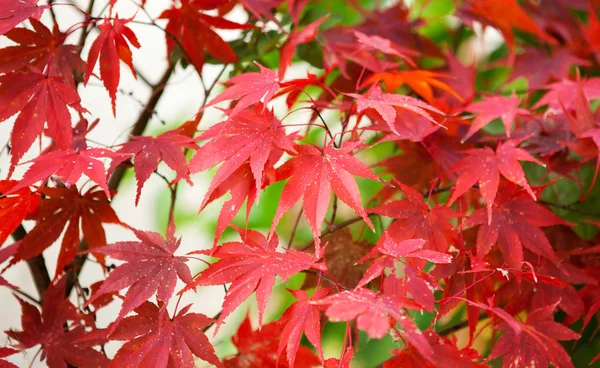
(37, 265)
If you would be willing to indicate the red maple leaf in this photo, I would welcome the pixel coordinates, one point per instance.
(59, 344)
(153, 339)
(515, 224)
(68, 166)
(372, 312)
(446, 354)
(249, 88)
(151, 267)
(301, 316)
(195, 32)
(255, 136)
(14, 207)
(6, 352)
(147, 152)
(494, 107)
(248, 144)
(384, 104)
(536, 345)
(41, 48)
(37, 98)
(561, 94)
(390, 251)
(110, 47)
(250, 265)
(5, 254)
(14, 12)
(297, 37)
(313, 174)
(416, 219)
(66, 208)
(483, 165)
(256, 348)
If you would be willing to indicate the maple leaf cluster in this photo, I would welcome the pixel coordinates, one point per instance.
(443, 202)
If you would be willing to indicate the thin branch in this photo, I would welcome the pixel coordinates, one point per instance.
(37, 265)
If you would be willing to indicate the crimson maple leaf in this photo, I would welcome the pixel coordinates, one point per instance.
(313, 174)
(372, 312)
(384, 104)
(147, 152)
(446, 354)
(391, 251)
(301, 316)
(255, 136)
(483, 165)
(14, 207)
(195, 33)
(37, 98)
(297, 37)
(415, 219)
(59, 345)
(256, 348)
(560, 94)
(249, 88)
(68, 166)
(515, 224)
(151, 267)
(66, 208)
(492, 108)
(536, 345)
(153, 339)
(41, 48)
(6, 253)
(14, 12)
(248, 144)
(6, 352)
(250, 265)
(110, 47)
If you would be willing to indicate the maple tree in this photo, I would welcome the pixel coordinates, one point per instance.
(382, 190)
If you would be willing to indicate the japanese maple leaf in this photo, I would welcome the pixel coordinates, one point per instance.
(297, 37)
(408, 125)
(256, 348)
(415, 219)
(68, 166)
(301, 316)
(40, 48)
(561, 94)
(536, 345)
(59, 345)
(495, 107)
(110, 47)
(313, 174)
(154, 339)
(343, 362)
(446, 354)
(250, 265)
(63, 208)
(14, 12)
(384, 45)
(483, 165)
(249, 88)
(37, 99)
(541, 67)
(421, 82)
(6, 352)
(151, 267)
(5, 254)
(515, 224)
(503, 15)
(195, 32)
(147, 152)
(384, 104)
(389, 251)
(252, 136)
(14, 207)
(372, 312)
